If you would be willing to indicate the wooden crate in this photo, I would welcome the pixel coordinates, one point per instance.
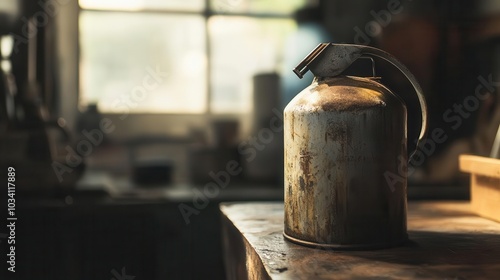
(485, 184)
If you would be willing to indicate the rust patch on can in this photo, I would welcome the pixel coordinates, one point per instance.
(337, 132)
(305, 179)
(305, 161)
(340, 133)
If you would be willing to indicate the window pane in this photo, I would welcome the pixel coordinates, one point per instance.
(181, 5)
(240, 48)
(256, 6)
(118, 65)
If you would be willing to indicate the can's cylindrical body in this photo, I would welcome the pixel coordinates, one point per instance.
(345, 155)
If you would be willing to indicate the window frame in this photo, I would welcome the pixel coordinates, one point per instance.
(131, 126)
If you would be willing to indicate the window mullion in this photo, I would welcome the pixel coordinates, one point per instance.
(209, 59)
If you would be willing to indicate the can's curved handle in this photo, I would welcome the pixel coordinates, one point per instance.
(329, 60)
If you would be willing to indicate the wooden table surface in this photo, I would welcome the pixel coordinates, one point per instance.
(447, 242)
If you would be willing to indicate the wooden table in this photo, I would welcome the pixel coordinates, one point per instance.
(447, 242)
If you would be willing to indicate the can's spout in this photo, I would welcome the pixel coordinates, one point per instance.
(328, 60)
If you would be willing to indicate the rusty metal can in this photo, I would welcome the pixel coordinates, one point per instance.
(342, 136)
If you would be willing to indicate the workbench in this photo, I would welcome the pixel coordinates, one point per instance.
(447, 241)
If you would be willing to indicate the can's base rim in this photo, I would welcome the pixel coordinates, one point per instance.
(370, 246)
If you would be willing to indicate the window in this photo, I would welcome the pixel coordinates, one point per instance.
(207, 52)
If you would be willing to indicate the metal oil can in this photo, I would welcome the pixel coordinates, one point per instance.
(342, 136)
